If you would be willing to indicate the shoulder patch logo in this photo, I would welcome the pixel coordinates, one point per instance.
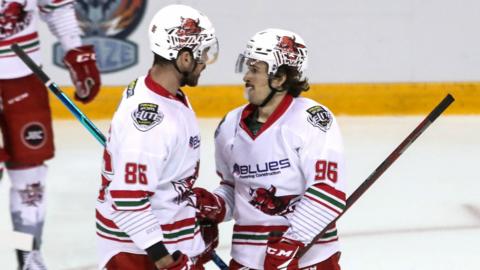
(146, 116)
(131, 88)
(319, 117)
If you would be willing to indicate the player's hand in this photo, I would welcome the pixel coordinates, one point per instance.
(84, 72)
(209, 231)
(209, 206)
(12, 14)
(180, 262)
(281, 253)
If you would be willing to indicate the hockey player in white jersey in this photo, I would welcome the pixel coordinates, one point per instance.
(280, 158)
(145, 211)
(25, 117)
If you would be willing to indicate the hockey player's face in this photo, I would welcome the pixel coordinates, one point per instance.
(192, 78)
(256, 81)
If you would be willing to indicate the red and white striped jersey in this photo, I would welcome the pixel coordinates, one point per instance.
(151, 162)
(60, 17)
(290, 177)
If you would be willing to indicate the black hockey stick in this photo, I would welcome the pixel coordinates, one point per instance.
(52, 86)
(434, 114)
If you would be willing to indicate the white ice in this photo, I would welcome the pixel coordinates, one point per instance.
(423, 213)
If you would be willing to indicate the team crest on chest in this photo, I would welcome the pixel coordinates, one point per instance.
(269, 203)
(319, 117)
(146, 116)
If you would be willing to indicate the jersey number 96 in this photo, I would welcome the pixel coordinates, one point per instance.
(326, 170)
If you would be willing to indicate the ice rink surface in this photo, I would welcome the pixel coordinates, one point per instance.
(423, 213)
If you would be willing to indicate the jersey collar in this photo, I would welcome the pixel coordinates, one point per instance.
(277, 113)
(160, 90)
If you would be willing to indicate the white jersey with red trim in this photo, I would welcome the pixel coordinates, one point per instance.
(151, 162)
(290, 177)
(60, 17)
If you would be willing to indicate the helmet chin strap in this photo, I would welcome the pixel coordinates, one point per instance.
(273, 91)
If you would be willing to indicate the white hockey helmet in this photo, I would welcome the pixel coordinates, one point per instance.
(175, 27)
(276, 47)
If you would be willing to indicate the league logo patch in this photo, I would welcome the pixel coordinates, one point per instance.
(319, 117)
(34, 135)
(146, 116)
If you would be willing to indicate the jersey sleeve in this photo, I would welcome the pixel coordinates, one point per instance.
(61, 20)
(137, 162)
(322, 164)
(227, 184)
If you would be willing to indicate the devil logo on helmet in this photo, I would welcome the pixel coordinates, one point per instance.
(289, 46)
(189, 27)
(188, 34)
(266, 201)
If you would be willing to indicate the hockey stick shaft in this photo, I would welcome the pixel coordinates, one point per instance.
(432, 116)
(59, 94)
(78, 114)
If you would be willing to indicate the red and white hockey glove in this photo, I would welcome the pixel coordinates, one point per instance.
(281, 253)
(209, 206)
(181, 262)
(84, 72)
(11, 15)
(209, 231)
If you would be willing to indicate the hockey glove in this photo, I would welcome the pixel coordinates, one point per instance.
(181, 262)
(84, 72)
(12, 14)
(281, 253)
(209, 206)
(209, 232)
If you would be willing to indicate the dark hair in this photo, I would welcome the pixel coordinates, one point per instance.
(160, 61)
(293, 84)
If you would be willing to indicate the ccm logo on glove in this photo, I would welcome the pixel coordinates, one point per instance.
(84, 72)
(85, 57)
(280, 252)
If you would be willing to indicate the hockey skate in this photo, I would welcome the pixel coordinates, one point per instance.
(30, 260)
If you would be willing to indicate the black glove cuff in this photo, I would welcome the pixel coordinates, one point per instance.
(157, 251)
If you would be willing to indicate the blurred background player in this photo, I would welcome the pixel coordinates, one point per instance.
(25, 111)
(281, 162)
(145, 211)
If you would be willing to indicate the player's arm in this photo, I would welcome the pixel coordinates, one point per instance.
(324, 198)
(134, 182)
(321, 159)
(217, 206)
(79, 59)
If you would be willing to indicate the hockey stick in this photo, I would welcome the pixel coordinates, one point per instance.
(78, 114)
(434, 114)
(59, 93)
